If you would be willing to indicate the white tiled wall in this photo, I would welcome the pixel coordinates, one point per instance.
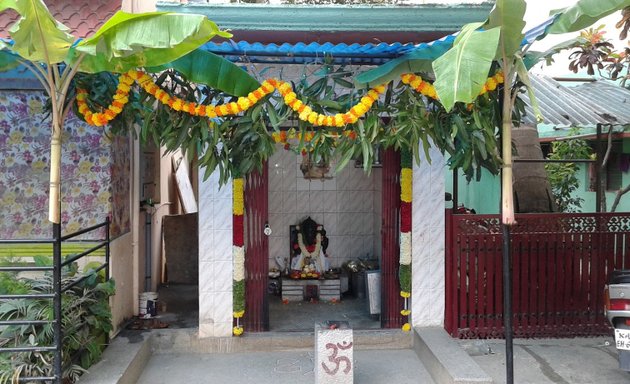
(345, 205)
(427, 300)
(215, 257)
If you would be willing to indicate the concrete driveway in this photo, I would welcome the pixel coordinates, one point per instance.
(562, 361)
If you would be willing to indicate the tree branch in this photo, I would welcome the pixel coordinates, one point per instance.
(618, 195)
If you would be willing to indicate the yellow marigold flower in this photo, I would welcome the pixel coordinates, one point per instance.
(144, 78)
(252, 98)
(297, 104)
(405, 312)
(321, 119)
(159, 93)
(165, 98)
(330, 121)
(367, 101)
(406, 77)
(289, 97)
(83, 108)
(373, 94)
(499, 77)
(234, 108)
(405, 294)
(406, 327)
(431, 92)
(210, 111)
(483, 90)
(267, 87)
(360, 109)
(238, 205)
(133, 74)
(305, 113)
(491, 84)
(244, 103)
(109, 114)
(284, 88)
(339, 120)
(237, 331)
(406, 183)
(415, 83)
(238, 314)
(124, 87)
(177, 105)
(115, 109)
(312, 117)
(380, 88)
(124, 78)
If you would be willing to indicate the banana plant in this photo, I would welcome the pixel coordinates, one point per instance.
(460, 71)
(125, 41)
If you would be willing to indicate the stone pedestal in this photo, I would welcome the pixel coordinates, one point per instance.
(294, 289)
(334, 362)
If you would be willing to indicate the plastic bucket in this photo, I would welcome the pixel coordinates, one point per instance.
(148, 304)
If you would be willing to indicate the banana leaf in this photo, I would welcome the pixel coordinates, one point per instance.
(36, 34)
(509, 16)
(584, 14)
(205, 67)
(129, 41)
(418, 60)
(462, 71)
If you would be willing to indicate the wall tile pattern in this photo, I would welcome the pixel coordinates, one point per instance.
(215, 257)
(427, 301)
(345, 205)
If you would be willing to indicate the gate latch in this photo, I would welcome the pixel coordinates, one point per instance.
(267, 230)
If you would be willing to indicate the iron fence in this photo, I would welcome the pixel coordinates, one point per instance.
(57, 290)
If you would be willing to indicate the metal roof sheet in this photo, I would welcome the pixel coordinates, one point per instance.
(357, 54)
(583, 106)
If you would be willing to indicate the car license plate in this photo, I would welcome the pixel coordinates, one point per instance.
(622, 339)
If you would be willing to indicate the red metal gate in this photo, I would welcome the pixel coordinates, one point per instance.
(391, 302)
(560, 263)
(256, 317)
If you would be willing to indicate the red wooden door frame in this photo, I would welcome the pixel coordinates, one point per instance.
(391, 302)
(256, 318)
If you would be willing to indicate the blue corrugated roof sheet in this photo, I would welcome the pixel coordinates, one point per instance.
(373, 54)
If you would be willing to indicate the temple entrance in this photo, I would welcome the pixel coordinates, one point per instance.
(332, 249)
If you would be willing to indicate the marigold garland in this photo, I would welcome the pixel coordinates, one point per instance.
(238, 252)
(243, 103)
(406, 196)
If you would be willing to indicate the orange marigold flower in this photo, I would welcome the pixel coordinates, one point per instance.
(347, 118)
(406, 77)
(165, 99)
(117, 104)
(159, 93)
(273, 82)
(283, 135)
(380, 88)
(258, 94)
(483, 90)
(352, 135)
(297, 104)
(152, 88)
(109, 114)
(200, 110)
(330, 120)
(252, 98)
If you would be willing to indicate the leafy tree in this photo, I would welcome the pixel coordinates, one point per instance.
(562, 176)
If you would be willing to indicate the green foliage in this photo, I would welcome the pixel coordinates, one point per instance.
(86, 321)
(583, 14)
(508, 15)
(562, 176)
(404, 275)
(238, 296)
(462, 71)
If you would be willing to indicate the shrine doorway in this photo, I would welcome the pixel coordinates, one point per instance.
(360, 214)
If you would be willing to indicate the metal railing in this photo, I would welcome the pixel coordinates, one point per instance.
(57, 290)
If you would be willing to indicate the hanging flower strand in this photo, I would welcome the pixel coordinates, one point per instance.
(406, 197)
(305, 113)
(238, 253)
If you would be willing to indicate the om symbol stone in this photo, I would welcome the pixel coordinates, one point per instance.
(333, 355)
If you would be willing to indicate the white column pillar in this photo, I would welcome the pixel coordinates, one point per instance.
(428, 231)
(215, 257)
